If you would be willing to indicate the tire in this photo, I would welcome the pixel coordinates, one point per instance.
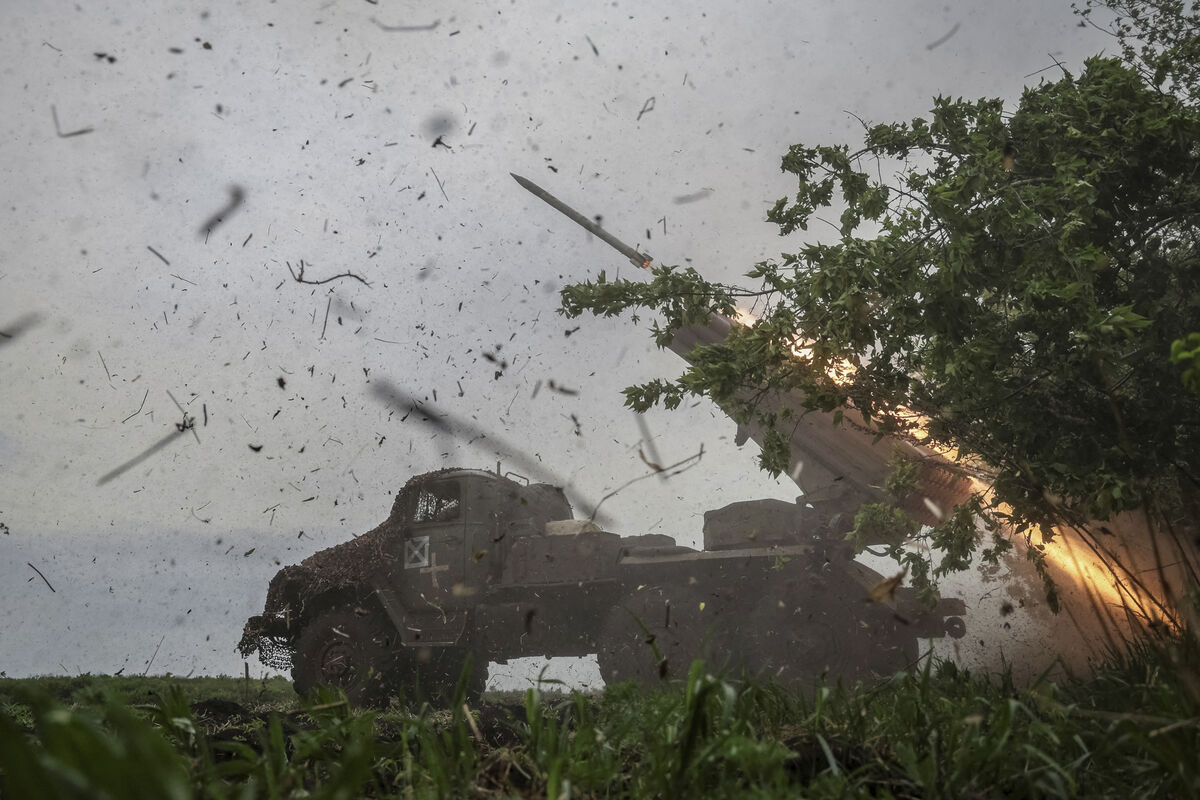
(818, 629)
(653, 636)
(344, 649)
(801, 644)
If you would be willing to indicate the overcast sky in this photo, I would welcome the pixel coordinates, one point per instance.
(377, 139)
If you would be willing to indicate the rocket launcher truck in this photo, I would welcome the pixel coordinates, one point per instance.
(474, 566)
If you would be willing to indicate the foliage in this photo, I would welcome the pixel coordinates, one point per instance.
(1131, 731)
(893, 531)
(1186, 353)
(1014, 290)
(1158, 37)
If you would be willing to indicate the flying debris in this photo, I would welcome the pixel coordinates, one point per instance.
(654, 461)
(187, 424)
(885, 590)
(237, 196)
(684, 199)
(941, 41)
(22, 324)
(133, 462)
(58, 128)
(406, 28)
(934, 508)
(298, 276)
(444, 422)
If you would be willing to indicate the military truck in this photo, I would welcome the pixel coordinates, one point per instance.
(475, 566)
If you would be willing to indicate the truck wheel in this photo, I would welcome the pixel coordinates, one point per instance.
(654, 635)
(822, 631)
(343, 649)
(791, 646)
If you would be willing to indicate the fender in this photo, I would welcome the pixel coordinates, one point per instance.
(426, 627)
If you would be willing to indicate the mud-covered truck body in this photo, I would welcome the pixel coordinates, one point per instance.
(473, 567)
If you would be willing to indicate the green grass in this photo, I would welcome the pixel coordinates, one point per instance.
(1132, 730)
(84, 690)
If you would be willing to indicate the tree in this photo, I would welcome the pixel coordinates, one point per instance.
(1013, 292)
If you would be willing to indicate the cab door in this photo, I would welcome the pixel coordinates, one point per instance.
(434, 558)
(420, 596)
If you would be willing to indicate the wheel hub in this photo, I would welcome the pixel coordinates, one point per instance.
(337, 665)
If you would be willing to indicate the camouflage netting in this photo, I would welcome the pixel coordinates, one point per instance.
(273, 651)
(344, 566)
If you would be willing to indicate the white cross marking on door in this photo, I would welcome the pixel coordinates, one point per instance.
(416, 552)
(434, 569)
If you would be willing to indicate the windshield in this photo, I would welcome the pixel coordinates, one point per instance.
(438, 502)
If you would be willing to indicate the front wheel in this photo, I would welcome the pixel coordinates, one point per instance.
(347, 649)
(819, 628)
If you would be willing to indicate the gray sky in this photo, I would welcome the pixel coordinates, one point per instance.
(328, 124)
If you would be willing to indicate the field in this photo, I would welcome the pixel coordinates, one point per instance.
(1132, 730)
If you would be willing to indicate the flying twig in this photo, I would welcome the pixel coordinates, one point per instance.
(654, 465)
(406, 28)
(939, 42)
(197, 516)
(440, 185)
(649, 440)
(325, 324)
(58, 129)
(40, 575)
(1059, 64)
(656, 471)
(299, 276)
(139, 410)
(151, 661)
(106, 372)
(189, 422)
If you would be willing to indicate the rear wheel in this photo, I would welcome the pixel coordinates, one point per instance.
(654, 634)
(345, 648)
(818, 628)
